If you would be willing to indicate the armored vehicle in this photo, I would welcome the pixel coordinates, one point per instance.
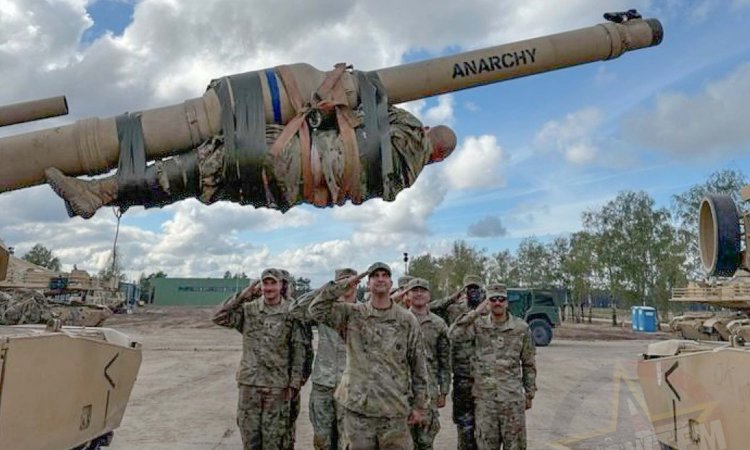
(33, 294)
(63, 387)
(697, 392)
(60, 387)
(540, 308)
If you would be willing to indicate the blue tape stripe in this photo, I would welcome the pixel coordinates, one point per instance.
(273, 86)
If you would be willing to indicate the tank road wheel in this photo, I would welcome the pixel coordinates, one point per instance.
(719, 235)
(541, 332)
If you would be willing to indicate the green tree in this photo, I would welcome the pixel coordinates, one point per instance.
(227, 275)
(532, 259)
(685, 209)
(301, 286)
(558, 252)
(635, 248)
(426, 266)
(113, 267)
(462, 260)
(42, 256)
(145, 284)
(579, 268)
(502, 268)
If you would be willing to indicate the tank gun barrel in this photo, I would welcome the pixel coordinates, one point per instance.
(33, 110)
(90, 146)
(517, 59)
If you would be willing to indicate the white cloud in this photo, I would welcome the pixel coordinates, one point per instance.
(408, 214)
(476, 163)
(170, 52)
(573, 136)
(711, 122)
(441, 113)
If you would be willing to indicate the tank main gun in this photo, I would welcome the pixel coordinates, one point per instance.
(91, 146)
(33, 110)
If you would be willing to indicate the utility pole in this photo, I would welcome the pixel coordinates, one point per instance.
(406, 263)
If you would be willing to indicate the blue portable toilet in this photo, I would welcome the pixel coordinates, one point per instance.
(647, 321)
(634, 310)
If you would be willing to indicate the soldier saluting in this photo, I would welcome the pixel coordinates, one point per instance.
(503, 368)
(385, 385)
(271, 370)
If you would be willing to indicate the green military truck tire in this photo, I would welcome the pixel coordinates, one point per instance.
(541, 332)
(540, 308)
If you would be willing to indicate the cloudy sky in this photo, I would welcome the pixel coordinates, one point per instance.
(533, 153)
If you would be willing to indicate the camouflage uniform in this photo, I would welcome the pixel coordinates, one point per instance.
(307, 338)
(27, 306)
(437, 351)
(451, 308)
(504, 374)
(386, 372)
(272, 362)
(325, 417)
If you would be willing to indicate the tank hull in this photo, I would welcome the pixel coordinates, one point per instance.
(62, 389)
(698, 399)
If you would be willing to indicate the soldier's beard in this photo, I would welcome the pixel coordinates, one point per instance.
(473, 299)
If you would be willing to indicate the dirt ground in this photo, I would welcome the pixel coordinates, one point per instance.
(185, 396)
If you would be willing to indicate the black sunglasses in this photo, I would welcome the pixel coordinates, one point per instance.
(498, 299)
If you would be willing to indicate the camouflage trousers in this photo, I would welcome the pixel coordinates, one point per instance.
(376, 433)
(501, 422)
(294, 408)
(263, 416)
(463, 413)
(424, 435)
(326, 419)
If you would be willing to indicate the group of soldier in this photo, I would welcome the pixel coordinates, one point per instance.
(383, 367)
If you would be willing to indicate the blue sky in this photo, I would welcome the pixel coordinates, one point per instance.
(533, 152)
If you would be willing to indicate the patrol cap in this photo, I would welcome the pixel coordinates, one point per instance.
(417, 282)
(497, 290)
(271, 273)
(404, 280)
(378, 266)
(473, 280)
(343, 273)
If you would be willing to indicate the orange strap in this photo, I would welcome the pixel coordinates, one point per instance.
(329, 98)
(297, 124)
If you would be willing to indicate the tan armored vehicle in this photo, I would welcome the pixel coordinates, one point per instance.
(697, 392)
(33, 294)
(61, 388)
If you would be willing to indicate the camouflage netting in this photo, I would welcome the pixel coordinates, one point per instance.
(26, 306)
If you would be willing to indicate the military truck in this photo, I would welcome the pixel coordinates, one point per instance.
(540, 308)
